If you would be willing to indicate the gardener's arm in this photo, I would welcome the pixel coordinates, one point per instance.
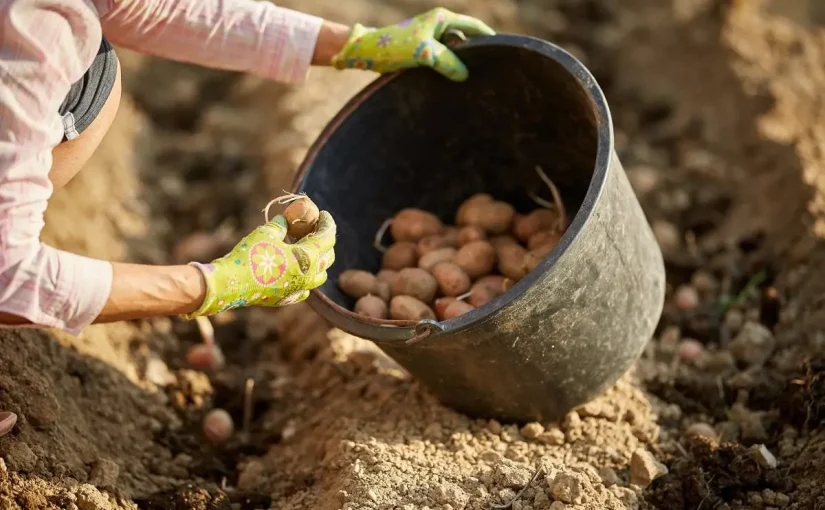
(238, 35)
(281, 44)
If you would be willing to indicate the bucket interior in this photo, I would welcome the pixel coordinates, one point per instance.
(419, 140)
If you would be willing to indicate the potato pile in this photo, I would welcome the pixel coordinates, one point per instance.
(437, 271)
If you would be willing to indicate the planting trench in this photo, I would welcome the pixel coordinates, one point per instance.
(719, 122)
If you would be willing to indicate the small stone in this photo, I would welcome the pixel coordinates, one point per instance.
(540, 499)
(686, 298)
(782, 500)
(769, 497)
(608, 476)
(753, 345)
(763, 456)
(104, 474)
(626, 496)
(553, 437)
(567, 487)
(644, 468)
(158, 373)
(490, 456)
(532, 430)
(509, 474)
(506, 495)
(755, 499)
(557, 505)
(702, 430)
(19, 457)
(494, 427)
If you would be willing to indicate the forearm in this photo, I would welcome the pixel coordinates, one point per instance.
(331, 40)
(237, 35)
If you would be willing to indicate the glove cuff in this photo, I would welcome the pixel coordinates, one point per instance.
(340, 61)
(208, 305)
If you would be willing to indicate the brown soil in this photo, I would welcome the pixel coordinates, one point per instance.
(719, 117)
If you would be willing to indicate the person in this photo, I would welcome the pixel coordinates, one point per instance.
(60, 92)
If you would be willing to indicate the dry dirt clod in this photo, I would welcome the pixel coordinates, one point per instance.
(104, 474)
(19, 457)
(509, 474)
(567, 487)
(644, 468)
(552, 437)
(753, 345)
(532, 430)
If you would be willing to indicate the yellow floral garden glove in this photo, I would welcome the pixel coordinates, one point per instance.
(411, 43)
(264, 270)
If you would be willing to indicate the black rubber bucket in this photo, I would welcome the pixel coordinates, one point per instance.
(575, 324)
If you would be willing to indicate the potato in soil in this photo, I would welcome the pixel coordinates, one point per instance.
(414, 224)
(357, 283)
(400, 255)
(409, 308)
(452, 280)
(301, 217)
(476, 259)
(415, 282)
(429, 261)
(372, 307)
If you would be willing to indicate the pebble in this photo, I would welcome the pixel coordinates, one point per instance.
(734, 320)
(626, 496)
(702, 430)
(557, 505)
(104, 474)
(782, 500)
(567, 487)
(494, 426)
(644, 468)
(572, 426)
(7, 422)
(609, 477)
(686, 298)
(532, 430)
(753, 345)
(763, 456)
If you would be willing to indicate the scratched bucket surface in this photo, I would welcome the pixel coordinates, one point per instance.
(576, 323)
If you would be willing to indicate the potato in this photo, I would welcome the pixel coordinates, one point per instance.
(429, 260)
(534, 257)
(511, 261)
(383, 290)
(497, 283)
(457, 308)
(301, 217)
(478, 198)
(372, 307)
(539, 219)
(501, 240)
(387, 275)
(441, 305)
(414, 224)
(480, 296)
(400, 255)
(417, 283)
(452, 280)
(409, 308)
(493, 218)
(451, 236)
(432, 243)
(356, 283)
(543, 237)
(469, 234)
(476, 259)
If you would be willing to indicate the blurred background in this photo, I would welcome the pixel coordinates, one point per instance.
(718, 111)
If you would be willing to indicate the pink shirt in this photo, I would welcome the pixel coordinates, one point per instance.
(45, 46)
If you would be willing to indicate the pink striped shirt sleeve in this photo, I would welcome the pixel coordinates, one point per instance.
(45, 46)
